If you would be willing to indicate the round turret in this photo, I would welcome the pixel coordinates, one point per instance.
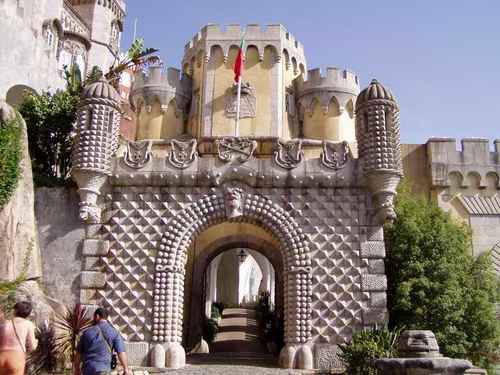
(374, 91)
(161, 100)
(326, 104)
(96, 142)
(377, 133)
(101, 90)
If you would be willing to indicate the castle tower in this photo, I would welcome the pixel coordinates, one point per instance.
(273, 59)
(105, 20)
(326, 104)
(161, 101)
(377, 133)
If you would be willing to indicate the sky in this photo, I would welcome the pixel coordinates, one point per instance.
(441, 58)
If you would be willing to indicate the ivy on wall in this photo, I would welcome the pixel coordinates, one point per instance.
(10, 157)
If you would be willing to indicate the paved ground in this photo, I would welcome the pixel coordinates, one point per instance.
(236, 350)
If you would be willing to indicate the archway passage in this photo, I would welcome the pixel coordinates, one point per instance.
(171, 259)
(239, 284)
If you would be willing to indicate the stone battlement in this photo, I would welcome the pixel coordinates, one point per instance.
(160, 84)
(333, 79)
(474, 158)
(259, 36)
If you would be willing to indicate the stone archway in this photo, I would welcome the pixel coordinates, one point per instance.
(213, 209)
(209, 253)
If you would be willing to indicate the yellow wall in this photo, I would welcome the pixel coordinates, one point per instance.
(332, 125)
(158, 124)
(290, 130)
(258, 74)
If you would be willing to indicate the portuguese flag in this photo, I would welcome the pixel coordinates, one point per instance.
(238, 65)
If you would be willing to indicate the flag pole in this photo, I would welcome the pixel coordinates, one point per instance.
(238, 106)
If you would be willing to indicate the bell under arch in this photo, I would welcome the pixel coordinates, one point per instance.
(233, 205)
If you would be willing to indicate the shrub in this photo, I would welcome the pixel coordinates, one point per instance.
(10, 157)
(219, 306)
(49, 120)
(366, 347)
(434, 282)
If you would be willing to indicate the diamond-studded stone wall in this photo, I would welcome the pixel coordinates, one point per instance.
(347, 290)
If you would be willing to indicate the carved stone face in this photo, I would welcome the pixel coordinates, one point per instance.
(233, 198)
(89, 214)
(418, 344)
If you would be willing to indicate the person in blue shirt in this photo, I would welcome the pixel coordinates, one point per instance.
(96, 346)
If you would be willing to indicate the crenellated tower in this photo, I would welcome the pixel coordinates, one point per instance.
(273, 59)
(105, 19)
(326, 104)
(161, 99)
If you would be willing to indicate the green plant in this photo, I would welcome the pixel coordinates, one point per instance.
(47, 357)
(10, 157)
(367, 346)
(215, 313)
(71, 323)
(49, 119)
(219, 306)
(434, 282)
(210, 330)
(8, 288)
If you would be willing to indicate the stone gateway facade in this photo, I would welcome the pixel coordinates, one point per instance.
(156, 209)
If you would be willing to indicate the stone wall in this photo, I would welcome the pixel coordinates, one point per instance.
(60, 232)
(18, 226)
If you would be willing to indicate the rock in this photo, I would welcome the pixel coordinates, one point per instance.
(17, 221)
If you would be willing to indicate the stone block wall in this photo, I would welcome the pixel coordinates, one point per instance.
(348, 281)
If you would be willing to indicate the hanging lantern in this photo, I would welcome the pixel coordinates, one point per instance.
(242, 255)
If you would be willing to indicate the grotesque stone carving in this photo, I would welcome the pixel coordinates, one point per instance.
(418, 344)
(235, 148)
(289, 154)
(248, 103)
(233, 200)
(182, 153)
(335, 155)
(137, 154)
(89, 213)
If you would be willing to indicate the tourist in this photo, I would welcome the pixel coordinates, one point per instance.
(17, 337)
(97, 347)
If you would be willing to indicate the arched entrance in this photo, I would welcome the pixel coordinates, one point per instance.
(233, 205)
(199, 293)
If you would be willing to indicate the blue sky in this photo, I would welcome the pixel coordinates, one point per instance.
(440, 58)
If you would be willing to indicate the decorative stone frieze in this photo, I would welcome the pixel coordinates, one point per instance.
(236, 149)
(335, 155)
(137, 154)
(377, 134)
(183, 153)
(288, 155)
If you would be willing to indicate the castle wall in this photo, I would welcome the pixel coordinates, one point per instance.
(259, 75)
(416, 169)
(60, 233)
(25, 57)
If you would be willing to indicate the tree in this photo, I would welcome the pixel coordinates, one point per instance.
(434, 282)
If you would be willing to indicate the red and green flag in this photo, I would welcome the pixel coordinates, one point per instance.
(238, 65)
